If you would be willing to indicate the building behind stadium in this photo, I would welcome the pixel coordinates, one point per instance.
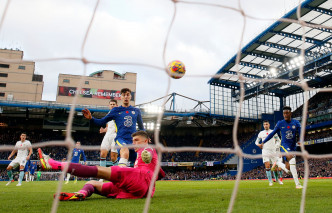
(18, 82)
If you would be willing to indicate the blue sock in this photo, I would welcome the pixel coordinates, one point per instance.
(280, 173)
(10, 175)
(21, 176)
(103, 162)
(269, 175)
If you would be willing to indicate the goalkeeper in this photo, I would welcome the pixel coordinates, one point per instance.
(126, 183)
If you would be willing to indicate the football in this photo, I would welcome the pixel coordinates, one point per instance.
(176, 69)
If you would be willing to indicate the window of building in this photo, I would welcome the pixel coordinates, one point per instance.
(4, 65)
(66, 80)
(21, 67)
(5, 75)
(86, 82)
(2, 94)
(2, 84)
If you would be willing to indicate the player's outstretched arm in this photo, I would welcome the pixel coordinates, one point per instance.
(87, 113)
(103, 121)
(12, 154)
(30, 153)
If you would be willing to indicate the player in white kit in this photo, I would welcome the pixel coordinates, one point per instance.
(272, 147)
(108, 142)
(22, 156)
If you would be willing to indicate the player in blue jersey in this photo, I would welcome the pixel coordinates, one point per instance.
(125, 118)
(33, 168)
(77, 153)
(288, 129)
(26, 170)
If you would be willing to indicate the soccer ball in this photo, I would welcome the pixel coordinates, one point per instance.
(176, 69)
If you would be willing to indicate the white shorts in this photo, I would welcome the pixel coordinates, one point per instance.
(18, 161)
(108, 143)
(267, 156)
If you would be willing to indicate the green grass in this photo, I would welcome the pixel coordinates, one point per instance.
(176, 196)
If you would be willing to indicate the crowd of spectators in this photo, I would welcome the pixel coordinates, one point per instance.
(317, 168)
(318, 135)
(198, 175)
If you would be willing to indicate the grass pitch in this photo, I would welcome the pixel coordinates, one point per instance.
(176, 196)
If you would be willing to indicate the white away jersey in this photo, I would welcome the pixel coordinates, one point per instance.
(111, 128)
(22, 148)
(272, 144)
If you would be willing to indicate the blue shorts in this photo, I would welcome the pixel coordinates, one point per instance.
(123, 141)
(287, 147)
(32, 172)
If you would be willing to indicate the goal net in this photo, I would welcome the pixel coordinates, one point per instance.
(80, 37)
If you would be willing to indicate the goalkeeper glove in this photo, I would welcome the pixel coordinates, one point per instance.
(146, 156)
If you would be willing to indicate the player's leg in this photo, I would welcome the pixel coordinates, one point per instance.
(113, 153)
(266, 161)
(124, 151)
(91, 187)
(268, 172)
(124, 156)
(280, 174)
(103, 156)
(67, 178)
(104, 148)
(76, 169)
(10, 173)
(114, 157)
(21, 175)
(292, 164)
(280, 164)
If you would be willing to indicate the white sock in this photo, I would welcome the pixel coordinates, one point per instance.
(68, 177)
(282, 166)
(292, 164)
(32, 177)
(26, 177)
(123, 162)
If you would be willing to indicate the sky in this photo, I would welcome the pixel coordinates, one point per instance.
(203, 37)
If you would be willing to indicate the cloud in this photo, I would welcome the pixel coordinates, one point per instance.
(203, 37)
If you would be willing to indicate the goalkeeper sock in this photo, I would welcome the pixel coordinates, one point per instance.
(102, 162)
(10, 175)
(292, 164)
(20, 177)
(276, 175)
(280, 175)
(76, 169)
(87, 190)
(269, 175)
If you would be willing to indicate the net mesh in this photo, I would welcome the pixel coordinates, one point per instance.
(69, 142)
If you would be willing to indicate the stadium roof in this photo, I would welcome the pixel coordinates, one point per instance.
(275, 53)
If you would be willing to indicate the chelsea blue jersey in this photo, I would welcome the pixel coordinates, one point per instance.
(77, 155)
(33, 167)
(125, 119)
(288, 134)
